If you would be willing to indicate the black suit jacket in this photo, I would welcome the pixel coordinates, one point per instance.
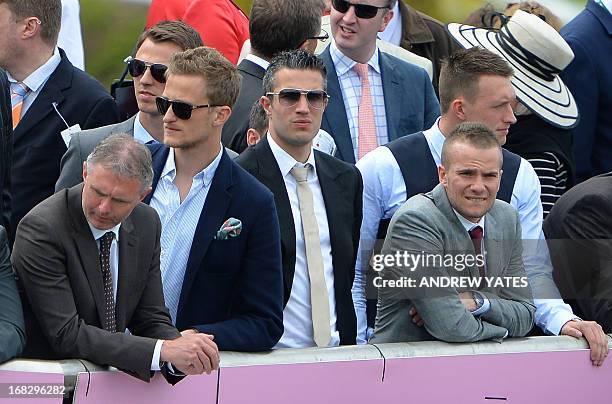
(37, 143)
(235, 129)
(578, 231)
(342, 189)
(6, 147)
(12, 328)
(57, 262)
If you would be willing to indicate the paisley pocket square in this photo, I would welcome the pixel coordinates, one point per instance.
(230, 228)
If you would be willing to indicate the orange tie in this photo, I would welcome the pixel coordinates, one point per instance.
(367, 140)
(18, 94)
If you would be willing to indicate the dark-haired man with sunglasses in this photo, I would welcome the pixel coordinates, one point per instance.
(399, 98)
(148, 67)
(220, 242)
(319, 200)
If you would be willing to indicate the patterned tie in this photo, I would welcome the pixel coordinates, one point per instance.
(319, 298)
(109, 299)
(476, 236)
(367, 140)
(18, 94)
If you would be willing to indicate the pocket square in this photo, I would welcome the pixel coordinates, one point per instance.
(230, 228)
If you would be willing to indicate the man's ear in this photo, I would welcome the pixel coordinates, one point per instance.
(309, 45)
(145, 193)
(385, 21)
(266, 104)
(458, 108)
(442, 175)
(84, 170)
(222, 114)
(253, 137)
(32, 28)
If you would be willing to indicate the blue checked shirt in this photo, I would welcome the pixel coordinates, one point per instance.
(350, 84)
(179, 221)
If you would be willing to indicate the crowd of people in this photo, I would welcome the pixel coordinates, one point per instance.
(407, 181)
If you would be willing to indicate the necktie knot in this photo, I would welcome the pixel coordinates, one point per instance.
(19, 90)
(300, 173)
(362, 70)
(476, 233)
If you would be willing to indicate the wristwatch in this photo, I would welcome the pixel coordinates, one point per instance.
(478, 299)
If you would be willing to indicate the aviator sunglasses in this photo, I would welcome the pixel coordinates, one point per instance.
(361, 10)
(288, 97)
(137, 67)
(181, 109)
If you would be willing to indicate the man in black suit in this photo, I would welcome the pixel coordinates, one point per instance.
(295, 24)
(87, 259)
(6, 147)
(318, 199)
(579, 235)
(49, 95)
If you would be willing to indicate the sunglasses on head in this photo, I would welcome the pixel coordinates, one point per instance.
(137, 67)
(361, 10)
(181, 109)
(288, 97)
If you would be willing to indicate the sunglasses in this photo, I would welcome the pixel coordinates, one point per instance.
(288, 97)
(181, 109)
(323, 36)
(137, 67)
(361, 10)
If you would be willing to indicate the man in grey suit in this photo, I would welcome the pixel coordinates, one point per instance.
(12, 328)
(460, 234)
(147, 66)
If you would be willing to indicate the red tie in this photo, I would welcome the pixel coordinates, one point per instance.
(476, 236)
(367, 140)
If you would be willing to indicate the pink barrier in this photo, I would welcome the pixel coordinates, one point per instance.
(30, 387)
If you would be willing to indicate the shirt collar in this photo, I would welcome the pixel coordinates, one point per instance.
(39, 77)
(343, 63)
(97, 233)
(258, 61)
(285, 161)
(467, 225)
(394, 26)
(435, 136)
(140, 133)
(206, 175)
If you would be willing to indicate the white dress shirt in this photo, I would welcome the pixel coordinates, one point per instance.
(37, 79)
(70, 38)
(257, 60)
(393, 31)
(350, 85)
(384, 191)
(140, 133)
(179, 221)
(114, 267)
(297, 315)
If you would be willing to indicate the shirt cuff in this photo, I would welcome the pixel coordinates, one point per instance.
(156, 355)
(486, 305)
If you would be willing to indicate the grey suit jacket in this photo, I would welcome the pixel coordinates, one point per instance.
(12, 328)
(427, 223)
(83, 143)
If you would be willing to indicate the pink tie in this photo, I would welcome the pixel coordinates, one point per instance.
(367, 126)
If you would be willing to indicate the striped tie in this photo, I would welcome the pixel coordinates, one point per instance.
(367, 140)
(18, 94)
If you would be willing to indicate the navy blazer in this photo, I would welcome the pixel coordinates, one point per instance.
(410, 102)
(233, 288)
(6, 149)
(589, 77)
(37, 144)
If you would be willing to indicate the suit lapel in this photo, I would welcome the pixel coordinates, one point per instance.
(335, 113)
(159, 155)
(213, 214)
(493, 246)
(252, 69)
(51, 92)
(392, 95)
(129, 278)
(270, 175)
(87, 248)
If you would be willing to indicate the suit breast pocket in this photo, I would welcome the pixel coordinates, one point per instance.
(225, 256)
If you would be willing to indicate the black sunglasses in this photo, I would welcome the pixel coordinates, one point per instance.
(288, 97)
(323, 36)
(181, 109)
(361, 10)
(137, 67)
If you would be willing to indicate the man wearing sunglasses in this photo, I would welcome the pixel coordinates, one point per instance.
(318, 198)
(48, 95)
(148, 67)
(220, 242)
(296, 23)
(375, 97)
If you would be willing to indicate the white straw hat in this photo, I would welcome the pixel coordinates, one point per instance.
(537, 54)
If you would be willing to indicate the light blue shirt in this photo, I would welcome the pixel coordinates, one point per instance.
(384, 191)
(350, 84)
(37, 79)
(140, 133)
(179, 222)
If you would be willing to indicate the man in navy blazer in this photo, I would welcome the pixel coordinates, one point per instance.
(220, 242)
(55, 95)
(589, 77)
(402, 97)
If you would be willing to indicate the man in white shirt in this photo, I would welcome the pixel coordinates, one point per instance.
(474, 86)
(147, 66)
(318, 199)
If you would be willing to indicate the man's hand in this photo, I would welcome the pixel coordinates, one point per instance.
(467, 298)
(415, 317)
(193, 353)
(593, 333)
